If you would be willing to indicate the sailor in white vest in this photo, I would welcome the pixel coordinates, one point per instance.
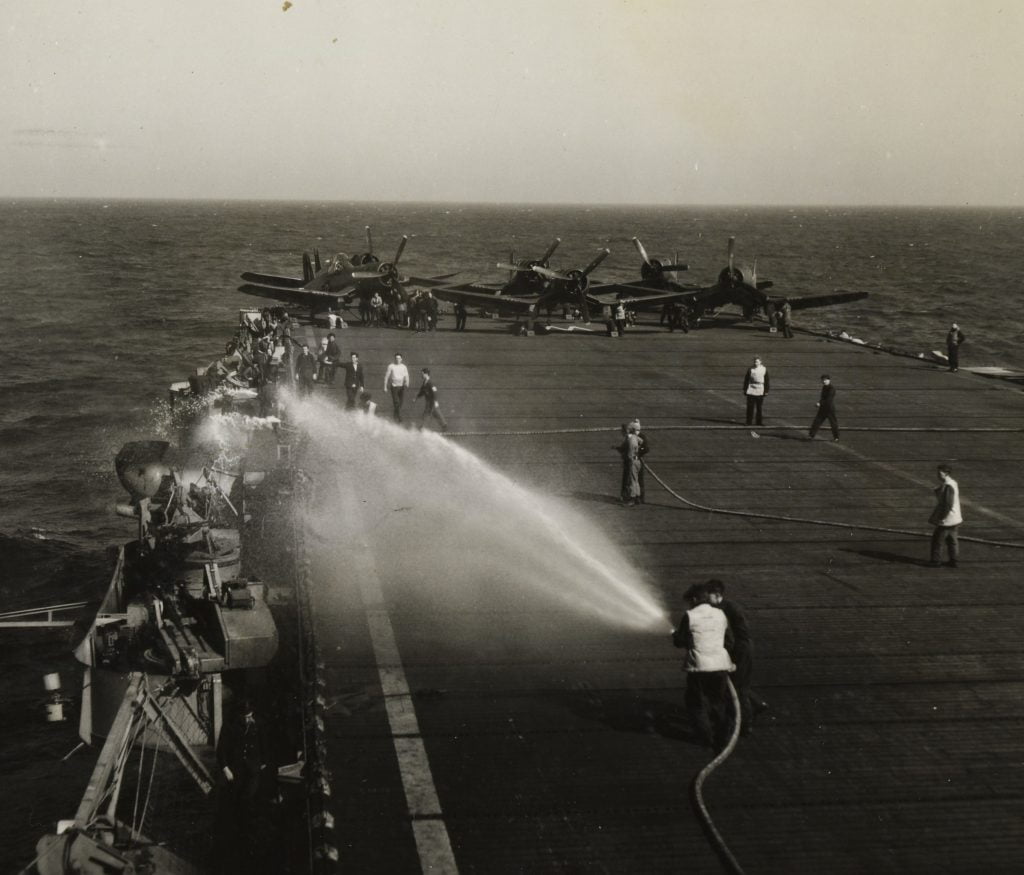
(946, 517)
(702, 632)
(755, 387)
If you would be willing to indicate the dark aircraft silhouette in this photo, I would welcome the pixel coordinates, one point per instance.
(336, 284)
(523, 283)
(532, 287)
(659, 288)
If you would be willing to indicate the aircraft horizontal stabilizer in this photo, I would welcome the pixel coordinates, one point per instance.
(840, 296)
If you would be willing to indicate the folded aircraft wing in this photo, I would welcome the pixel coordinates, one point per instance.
(427, 282)
(482, 296)
(839, 296)
(637, 295)
(266, 279)
(299, 297)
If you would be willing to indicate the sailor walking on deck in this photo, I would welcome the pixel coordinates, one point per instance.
(755, 387)
(431, 407)
(946, 518)
(395, 380)
(826, 409)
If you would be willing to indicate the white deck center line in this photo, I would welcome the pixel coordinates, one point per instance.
(433, 843)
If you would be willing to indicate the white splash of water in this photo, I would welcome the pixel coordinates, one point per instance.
(434, 513)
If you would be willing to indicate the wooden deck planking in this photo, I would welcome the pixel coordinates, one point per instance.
(895, 734)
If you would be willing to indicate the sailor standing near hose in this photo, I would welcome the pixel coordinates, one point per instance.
(755, 387)
(741, 648)
(708, 664)
(643, 449)
(629, 449)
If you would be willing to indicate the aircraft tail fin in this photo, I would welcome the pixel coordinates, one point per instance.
(307, 268)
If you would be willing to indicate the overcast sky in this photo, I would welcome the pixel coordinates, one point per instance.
(604, 101)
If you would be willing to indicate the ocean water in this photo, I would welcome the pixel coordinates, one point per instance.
(103, 304)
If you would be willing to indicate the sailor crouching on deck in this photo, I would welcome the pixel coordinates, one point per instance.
(702, 632)
(946, 518)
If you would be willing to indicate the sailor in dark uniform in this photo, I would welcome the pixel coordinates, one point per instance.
(953, 340)
(305, 370)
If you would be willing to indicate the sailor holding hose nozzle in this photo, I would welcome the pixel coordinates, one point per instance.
(702, 632)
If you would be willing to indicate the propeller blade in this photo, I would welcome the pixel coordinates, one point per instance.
(401, 248)
(584, 304)
(551, 250)
(674, 267)
(307, 267)
(369, 240)
(365, 275)
(547, 272)
(601, 257)
(753, 274)
(640, 248)
(512, 267)
(732, 253)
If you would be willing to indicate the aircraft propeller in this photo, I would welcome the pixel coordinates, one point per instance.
(571, 282)
(543, 260)
(366, 257)
(527, 265)
(651, 267)
(386, 272)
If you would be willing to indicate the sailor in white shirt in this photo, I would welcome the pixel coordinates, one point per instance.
(395, 380)
(755, 387)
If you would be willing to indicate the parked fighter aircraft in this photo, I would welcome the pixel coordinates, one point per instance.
(335, 285)
(659, 288)
(523, 278)
(533, 288)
